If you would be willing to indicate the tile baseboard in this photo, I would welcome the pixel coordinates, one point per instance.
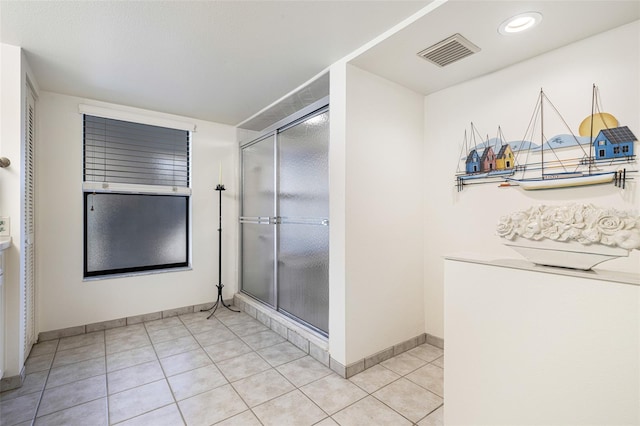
(121, 322)
(13, 382)
(310, 342)
(318, 346)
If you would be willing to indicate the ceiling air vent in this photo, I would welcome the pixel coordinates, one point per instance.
(449, 50)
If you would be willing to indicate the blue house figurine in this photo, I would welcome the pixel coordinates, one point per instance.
(473, 162)
(614, 143)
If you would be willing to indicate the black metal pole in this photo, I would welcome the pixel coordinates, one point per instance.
(219, 300)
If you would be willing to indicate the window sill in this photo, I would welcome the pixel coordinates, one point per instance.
(136, 274)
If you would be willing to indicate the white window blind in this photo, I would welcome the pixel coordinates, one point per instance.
(122, 152)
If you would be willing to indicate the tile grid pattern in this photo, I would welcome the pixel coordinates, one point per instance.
(229, 370)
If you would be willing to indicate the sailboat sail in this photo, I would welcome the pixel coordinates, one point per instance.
(566, 178)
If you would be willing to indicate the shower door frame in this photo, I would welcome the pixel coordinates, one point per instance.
(316, 108)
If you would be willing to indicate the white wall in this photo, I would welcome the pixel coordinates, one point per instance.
(382, 219)
(64, 299)
(465, 221)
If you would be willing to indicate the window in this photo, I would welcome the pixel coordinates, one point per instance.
(136, 197)
(616, 150)
(625, 149)
(602, 153)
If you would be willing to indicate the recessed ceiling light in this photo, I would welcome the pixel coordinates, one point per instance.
(519, 23)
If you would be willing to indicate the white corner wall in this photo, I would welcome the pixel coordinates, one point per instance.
(63, 298)
(376, 180)
(465, 221)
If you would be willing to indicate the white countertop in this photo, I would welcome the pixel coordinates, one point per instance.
(596, 274)
(5, 242)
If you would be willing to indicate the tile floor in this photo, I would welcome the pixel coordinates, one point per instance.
(229, 370)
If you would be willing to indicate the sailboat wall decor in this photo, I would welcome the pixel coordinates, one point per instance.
(537, 167)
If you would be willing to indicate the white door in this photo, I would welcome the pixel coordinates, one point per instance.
(28, 261)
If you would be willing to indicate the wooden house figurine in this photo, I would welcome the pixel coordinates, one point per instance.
(472, 165)
(505, 159)
(614, 143)
(488, 160)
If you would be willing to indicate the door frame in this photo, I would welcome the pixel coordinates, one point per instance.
(316, 108)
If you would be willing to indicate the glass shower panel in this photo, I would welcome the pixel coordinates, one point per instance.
(258, 210)
(258, 261)
(258, 186)
(303, 205)
(303, 273)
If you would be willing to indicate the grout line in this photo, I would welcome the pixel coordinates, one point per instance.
(35, 413)
(167, 323)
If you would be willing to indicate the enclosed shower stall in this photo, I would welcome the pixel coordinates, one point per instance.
(284, 221)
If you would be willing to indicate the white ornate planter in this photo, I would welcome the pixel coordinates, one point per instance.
(566, 254)
(578, 236)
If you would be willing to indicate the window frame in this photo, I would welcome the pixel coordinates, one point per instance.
(95, 187)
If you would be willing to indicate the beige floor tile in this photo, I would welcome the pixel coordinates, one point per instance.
(174, 347)
(77, 371)
(124, 359)
(82, 353)
(212, 324)
(196, 381)
(247, 328)
(129, 330)
(168, 415)
(194, 317)
(92, 413)
(333, 393)
(246, 418)
(214, 336)
(162, 323)
(408, 399)
(230, 318)
(127, 342)
(242, 366)
(39, 363)
(327, 422)
(304, 370)
(212, 406)
(374, 378)
(426, 352)
(81, 340)
(263, 339)
(281, 353)
(262, 387)
(403, 364)
(436, 418)
(429, 377)
(439, 362)
(32, 383)
(229, 349)
(140, 400)
(167, 334)
(369, 411)
(20, 409)
(47, 347)
(176, 364)
(72, 394)
(134, 376)
(290, 409)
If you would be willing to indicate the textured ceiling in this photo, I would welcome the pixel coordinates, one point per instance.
(220, 61)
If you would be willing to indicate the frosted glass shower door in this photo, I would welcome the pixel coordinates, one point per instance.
(257, 220)
(303, 210)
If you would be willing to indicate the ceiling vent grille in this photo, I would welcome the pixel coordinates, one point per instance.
(449, 50)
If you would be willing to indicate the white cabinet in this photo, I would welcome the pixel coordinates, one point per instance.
(537, 345)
